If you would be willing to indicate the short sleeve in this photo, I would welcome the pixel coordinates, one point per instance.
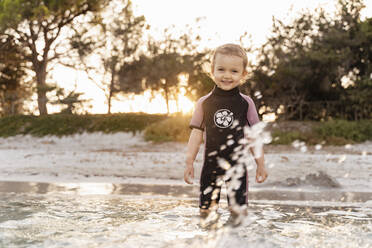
(197, 120)
(252, 115)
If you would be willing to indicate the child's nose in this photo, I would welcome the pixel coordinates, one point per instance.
(227, 75)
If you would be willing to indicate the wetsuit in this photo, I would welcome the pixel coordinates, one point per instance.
(222, 115)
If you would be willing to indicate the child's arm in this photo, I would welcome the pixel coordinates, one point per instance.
(196, 138)
(261, 173)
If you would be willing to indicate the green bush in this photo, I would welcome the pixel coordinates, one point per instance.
(13, 125)
(336, 132)
(356, 131)
(130, 122)
(284, 138)
(171, 129)
(160, 128)
(64, 124)
(328, 133)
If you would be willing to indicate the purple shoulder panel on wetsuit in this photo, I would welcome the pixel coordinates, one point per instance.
(252, 116)
(197, 120)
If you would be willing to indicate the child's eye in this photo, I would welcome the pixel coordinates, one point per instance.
(220, 69)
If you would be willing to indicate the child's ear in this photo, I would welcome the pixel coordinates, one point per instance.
(245, 73)
(244, 76)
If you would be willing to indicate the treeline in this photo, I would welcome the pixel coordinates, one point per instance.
(317, 67)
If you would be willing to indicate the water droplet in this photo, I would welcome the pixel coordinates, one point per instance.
(348, 146)
(341, 159)
(258, 94)
(296, 144)
(207, 190)
(224, 164)
(212, 153)
(303, 149)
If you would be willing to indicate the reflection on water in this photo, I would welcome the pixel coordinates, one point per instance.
(55, 219)
(180, 191)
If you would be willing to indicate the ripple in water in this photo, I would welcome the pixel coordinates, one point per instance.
(58, 220)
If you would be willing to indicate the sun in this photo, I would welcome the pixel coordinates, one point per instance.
(152, 103)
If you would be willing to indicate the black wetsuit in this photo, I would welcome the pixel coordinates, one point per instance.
(222, 116)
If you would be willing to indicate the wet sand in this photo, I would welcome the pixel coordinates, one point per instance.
(179, 191)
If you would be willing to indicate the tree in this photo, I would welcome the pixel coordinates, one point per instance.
(36, 26)
(12, 74)
(357, 97)
(305, 62)
(71, 100)
(120, 38)
(167, 65)
(166, 60)
(199, 80)
(162, 73)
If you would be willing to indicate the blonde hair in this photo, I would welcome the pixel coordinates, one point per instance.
(230, 49)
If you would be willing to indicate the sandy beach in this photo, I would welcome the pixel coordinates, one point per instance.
(127, 158)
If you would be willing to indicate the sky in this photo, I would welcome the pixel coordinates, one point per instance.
(222, 22)
(225, 21)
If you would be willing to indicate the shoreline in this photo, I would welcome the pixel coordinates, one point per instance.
(124, 158)
(324, 197)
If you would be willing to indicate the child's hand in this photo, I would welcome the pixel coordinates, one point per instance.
(261, 174)
(188, 175)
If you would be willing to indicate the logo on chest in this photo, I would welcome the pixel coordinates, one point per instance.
(223, 118)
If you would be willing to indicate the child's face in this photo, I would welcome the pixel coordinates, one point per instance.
(228, 71)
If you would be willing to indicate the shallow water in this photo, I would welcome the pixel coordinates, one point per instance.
(89, 215)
